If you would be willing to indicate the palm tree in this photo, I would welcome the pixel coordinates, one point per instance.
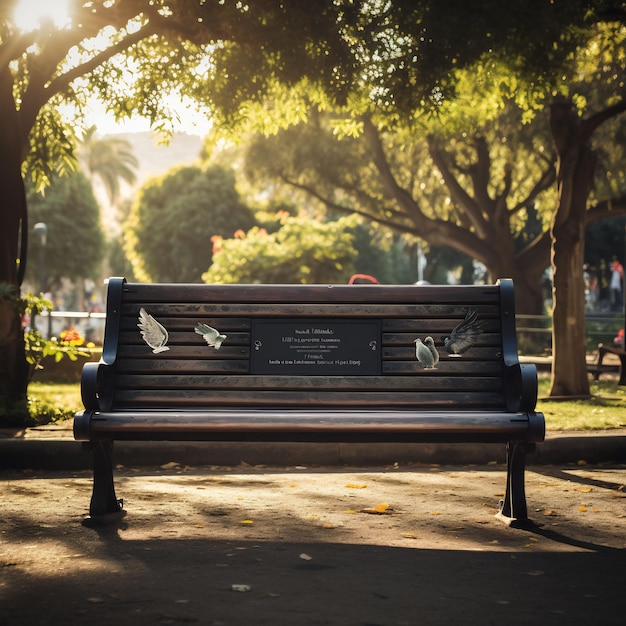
(110, 159)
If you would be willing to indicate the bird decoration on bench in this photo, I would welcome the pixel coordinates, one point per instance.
(153, 333)
(212, 336)
(463, 337)
(426, 353)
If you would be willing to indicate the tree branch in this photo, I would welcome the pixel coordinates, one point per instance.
(546, 180)
(331, 204)
(590, 124)
(459, 196)
(399, 194)
(613, 207)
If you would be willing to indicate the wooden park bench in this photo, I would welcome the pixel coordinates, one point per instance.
(601, 367)
(308, 363)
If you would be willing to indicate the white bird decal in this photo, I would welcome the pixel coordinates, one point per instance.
(424, 354)
(153, 333)
(429, 342)
(212, 336)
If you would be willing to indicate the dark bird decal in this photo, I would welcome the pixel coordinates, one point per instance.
(463, 337)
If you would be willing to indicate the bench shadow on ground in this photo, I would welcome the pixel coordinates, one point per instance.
(109, 579)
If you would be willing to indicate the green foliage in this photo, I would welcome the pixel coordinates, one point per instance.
(382, 254)
(170, 225)
(69, 345)
(302, 250)
(53, 402)
(74, 245)
(51, 153)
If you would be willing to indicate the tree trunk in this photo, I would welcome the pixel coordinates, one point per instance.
(575, 170)
(13, 366)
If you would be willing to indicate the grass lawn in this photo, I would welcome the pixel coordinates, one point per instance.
(50, 402)
(605, 410)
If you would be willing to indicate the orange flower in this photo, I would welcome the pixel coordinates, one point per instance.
(72, 336)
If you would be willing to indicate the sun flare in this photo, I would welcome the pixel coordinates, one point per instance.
(29, 14)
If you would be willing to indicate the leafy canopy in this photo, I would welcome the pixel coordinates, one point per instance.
(170, 226)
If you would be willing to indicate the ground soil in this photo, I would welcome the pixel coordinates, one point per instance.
(258, 545)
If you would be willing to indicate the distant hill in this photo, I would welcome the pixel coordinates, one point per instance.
(156, 159)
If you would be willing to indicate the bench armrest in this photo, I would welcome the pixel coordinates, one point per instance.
(521, 387)
(97, 386)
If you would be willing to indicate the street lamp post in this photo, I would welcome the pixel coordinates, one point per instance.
(41, 230)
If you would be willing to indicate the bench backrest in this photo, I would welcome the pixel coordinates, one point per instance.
(265, 324)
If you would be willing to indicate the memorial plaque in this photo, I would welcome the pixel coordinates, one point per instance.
(315, 347)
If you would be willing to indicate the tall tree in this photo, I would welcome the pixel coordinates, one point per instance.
(168, 232)
(474, 193)
(75, 242)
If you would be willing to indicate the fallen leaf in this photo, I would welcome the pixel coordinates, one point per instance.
(435, 512)
(380, 509)
(582, 509)
(409, 536)
(306, 557)
(584, 489)
(350, 511)
(247, 522)
(355, 486)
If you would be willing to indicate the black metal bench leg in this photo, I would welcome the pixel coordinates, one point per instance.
(513, 510)
(105, 508)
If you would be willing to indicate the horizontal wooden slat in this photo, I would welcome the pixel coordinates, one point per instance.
(159, 398)
(216, 310)
(186, 367)
(183, 352)
(446, 367)
(332, 383)
(477, 353)
(242, 294)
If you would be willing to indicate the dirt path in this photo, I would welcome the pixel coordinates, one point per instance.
(411, 546)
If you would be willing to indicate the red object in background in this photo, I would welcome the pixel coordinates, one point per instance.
(361, 279)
